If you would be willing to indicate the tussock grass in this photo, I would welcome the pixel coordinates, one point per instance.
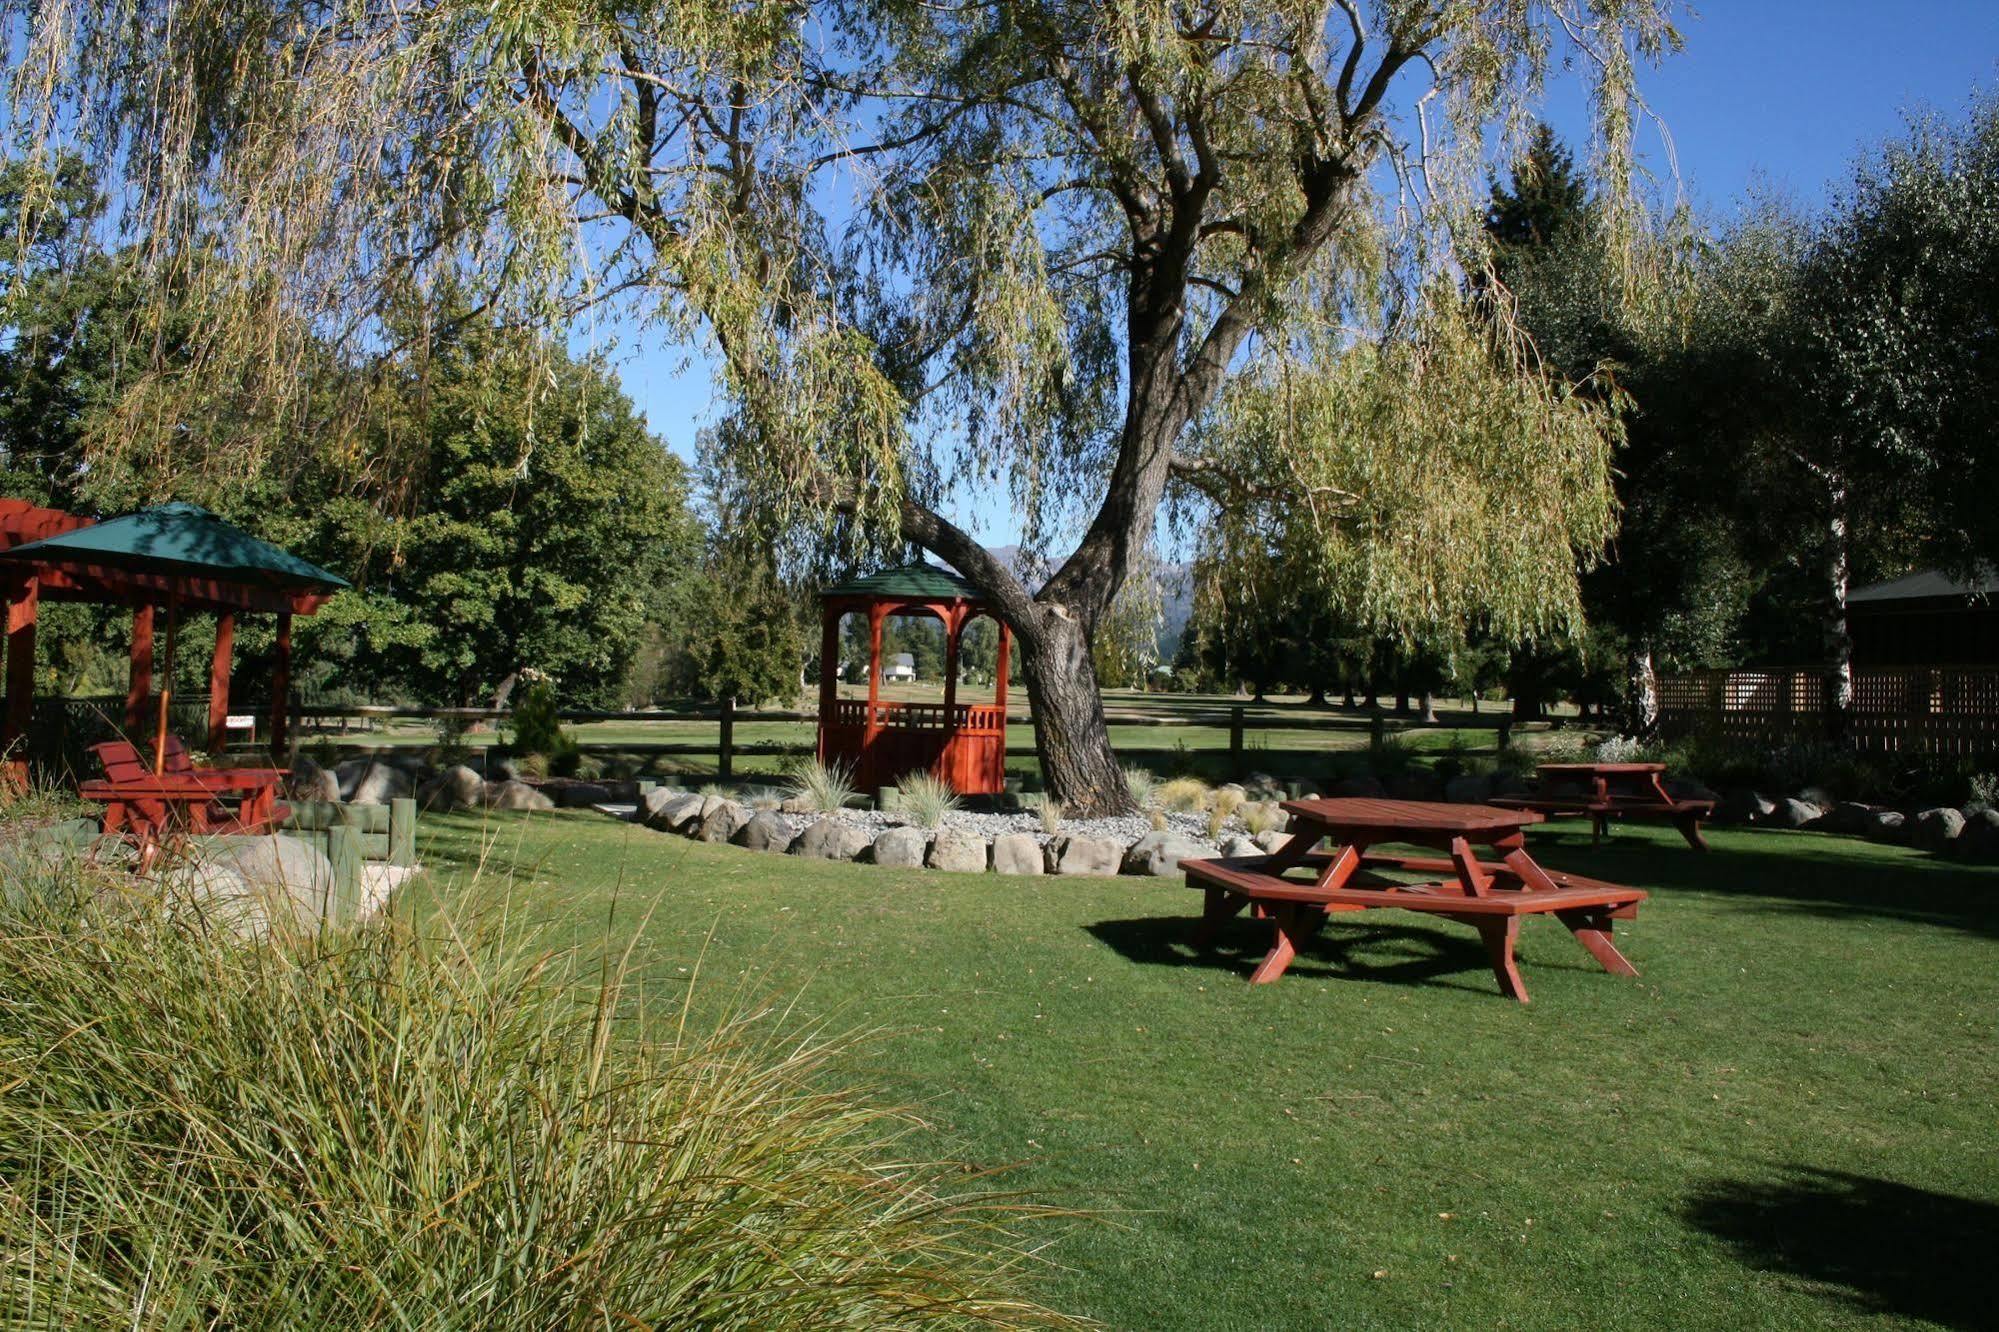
(924, 799)
(1051, 813)
(1182, 795)
(428, 1128)
(1141, 785)
(822, 787)
(1258, 816)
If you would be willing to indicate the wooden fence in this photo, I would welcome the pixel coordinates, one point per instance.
(1945, 711)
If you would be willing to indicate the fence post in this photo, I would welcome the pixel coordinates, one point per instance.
(1235, 742)
(725, 766)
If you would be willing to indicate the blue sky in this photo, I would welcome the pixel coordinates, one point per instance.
(1779, 94)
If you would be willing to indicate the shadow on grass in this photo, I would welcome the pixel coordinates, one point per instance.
(1342, 951)
(1885, 1247)
(1812, 872)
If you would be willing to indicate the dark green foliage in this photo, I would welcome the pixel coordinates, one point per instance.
(534, 727)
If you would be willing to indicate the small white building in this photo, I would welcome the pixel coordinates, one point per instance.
(901, 669)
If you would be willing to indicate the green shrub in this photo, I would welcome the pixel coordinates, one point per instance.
(389, 1128)
(534, 727)
(925, 799)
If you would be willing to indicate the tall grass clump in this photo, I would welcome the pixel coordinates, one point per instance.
(823, 788)
(1051, 811)
(395, 1127)
(925, 799)
(1141, 785)
(1183, 794)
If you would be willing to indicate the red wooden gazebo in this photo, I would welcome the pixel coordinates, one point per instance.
(195, 563)
(962, 743)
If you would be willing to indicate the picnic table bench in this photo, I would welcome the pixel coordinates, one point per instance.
(149, 807)
(1603, 791)
(1299, 886)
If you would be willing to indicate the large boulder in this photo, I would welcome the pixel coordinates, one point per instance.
(457, 787)
(348, 775)
(1236, 848)
(830, 839)
(672, 811)
(1849, 818)
(254, 885)
(1076, 854)
(1791, 812)
(1017, 853)
(721, 823)
(958, 852)
(379, 784)
(1936, 829)
(1160, 853)
(1471, 788)
(309, 781)
(901, 848)
(765, 831)
(516, 797)
(1979, 841)
(1886, 825)
(582, 795)
(1739, 804)
(1268, 842)
(1689, 788)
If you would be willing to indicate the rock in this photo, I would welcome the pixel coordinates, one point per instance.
(279, 883)
(514, 796)
(672, 811)
(1816, 795)
(582, 795)
(1359, 788)
(1268, 842)
(379, 784)
(764, 832)
(796, 805)
(1936, 829)
(1417, 784)
(348, 775)
(1073, 854)
(830, 839)
(1739, 804)
(457, 787)
(1790, 812)
(1849, 818)
(1979, 841)
(1468, 789)
(901, 848)
(1686, 788)
(1237, 847)
(958, 852)
(721, 823)
(1269, 812)
(1160, 853)
(1886, 825)
(309, 781)
(1017, 853)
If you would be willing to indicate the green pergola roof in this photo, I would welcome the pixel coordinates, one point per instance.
(916, 582)
(178, 539)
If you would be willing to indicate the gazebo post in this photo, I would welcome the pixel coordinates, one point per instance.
(952, 628)
(141, 686)
(829, 689)
(218, 682)
(22, 608)
(876, 614)
(281, 688)
(999, 676)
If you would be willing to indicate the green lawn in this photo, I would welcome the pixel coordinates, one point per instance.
(1788, 1121)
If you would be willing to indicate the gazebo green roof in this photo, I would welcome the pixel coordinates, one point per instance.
(920, 581)
(178, 538)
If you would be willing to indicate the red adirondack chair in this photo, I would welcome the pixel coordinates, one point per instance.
(151, 807)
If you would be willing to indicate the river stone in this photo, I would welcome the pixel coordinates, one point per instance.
(309, 781)
(830, 839)
(1017, 853)
(901, 848)
(721, 823)
(1268, 842)
(676, 813)
(1074, 854)
(958, 852)
(515, 796)
(457, 787)
(1160, 853)
(764, 832)
(1936, 829)
(1235, 848)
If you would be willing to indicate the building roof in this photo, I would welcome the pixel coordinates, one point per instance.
(921, 581)
(1925, 585)
(178, 538)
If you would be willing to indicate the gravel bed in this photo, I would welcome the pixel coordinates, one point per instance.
(1126, 829)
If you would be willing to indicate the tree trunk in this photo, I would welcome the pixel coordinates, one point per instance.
(1641, 692)
(1838, 641)
(1429, 706)
(1070, 736)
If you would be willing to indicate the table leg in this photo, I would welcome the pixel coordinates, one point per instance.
(1217, 909)
(1531, 875)
(1283, 943)
(1690, 828)
(1499, 935)
(1592, 931)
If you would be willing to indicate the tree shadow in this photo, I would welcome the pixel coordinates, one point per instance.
(1886, 1248)
(1342, 951)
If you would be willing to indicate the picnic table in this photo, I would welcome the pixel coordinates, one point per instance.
(1603, 791)
(150, 807)
(1299, 886)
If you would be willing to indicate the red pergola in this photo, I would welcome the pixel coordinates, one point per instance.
(25, 583)
(963, 744)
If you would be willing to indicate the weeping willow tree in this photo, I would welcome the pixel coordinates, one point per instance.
(936, 250)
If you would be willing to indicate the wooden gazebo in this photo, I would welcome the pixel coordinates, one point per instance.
(176, 556)
(962, 743)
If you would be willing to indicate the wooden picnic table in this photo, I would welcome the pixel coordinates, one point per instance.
(151, 807)
(1602, 791)
(1299, 886)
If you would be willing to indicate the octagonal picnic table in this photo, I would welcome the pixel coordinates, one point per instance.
(1299, 887)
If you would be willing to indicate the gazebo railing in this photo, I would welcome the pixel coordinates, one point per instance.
(984, 717)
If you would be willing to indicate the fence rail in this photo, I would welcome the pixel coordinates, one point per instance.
(1944, 711)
